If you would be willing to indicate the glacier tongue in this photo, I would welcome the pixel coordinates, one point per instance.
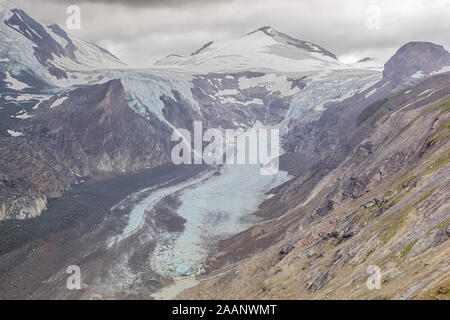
(215, 208)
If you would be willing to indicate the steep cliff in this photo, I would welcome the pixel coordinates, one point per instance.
(87, 133)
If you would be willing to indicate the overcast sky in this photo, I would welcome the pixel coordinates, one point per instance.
(142, 31)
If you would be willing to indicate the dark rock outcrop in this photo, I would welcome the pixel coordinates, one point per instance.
(91, 134)
(421, 58)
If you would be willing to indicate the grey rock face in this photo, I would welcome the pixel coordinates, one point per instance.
(32, 30)
(46, 46)
(283, 38)
(434, 239)
(92, 134)
(70, 47)
(98, 132)
(206, 45)
(414, 57)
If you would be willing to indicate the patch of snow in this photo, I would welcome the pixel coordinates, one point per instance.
(429, 91)
(385, 84)
(25, 97)
(244, 103)
(320, 108)
(14, 83)
(425, 92)
(58, 102)
(418, 75)
(13, 133)
(272, 82)
(434, 91)
(404, 107)
(442, 70)
(23, 115)
(227, 92)
(371, 92)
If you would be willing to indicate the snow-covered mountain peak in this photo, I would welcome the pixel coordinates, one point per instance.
(262, 49)
(35, 53)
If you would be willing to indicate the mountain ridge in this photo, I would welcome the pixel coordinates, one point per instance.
(31, 52)
(259, 49)
(271, 32)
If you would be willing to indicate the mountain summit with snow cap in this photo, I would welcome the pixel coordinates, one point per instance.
(262, 49)
(40, 55)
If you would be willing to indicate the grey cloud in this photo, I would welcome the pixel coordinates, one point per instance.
(144, 31)
(138, 3)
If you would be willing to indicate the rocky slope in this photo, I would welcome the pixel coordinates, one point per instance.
(379, 197)
(312, 136)
(386, 204)
(89, 132)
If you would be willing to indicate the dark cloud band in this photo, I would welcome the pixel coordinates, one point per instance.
(142, 3)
